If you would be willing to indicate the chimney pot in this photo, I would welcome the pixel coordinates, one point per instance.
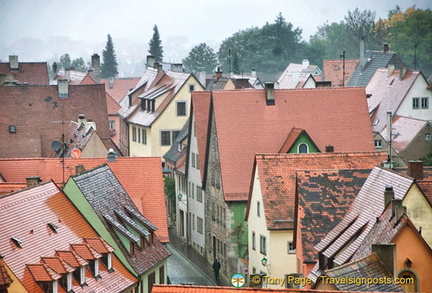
(218, 73)
(95, 60)
(111, 155)
(33, 181)
(415, 170)
(150, 61)
(13, 62)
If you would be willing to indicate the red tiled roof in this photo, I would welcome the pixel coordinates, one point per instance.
(72, 258)
(358, 222)
(141, 177)
(99, 244)
(43, 273)
(121, 87)
(426, 187)
(113, 106)
(333, 70)
(33, 137)
(277, 175)
(31, 72)
(245, 125)
(324, 197)
(85, 251)
(18, 220)
(213, 289)
(58, 264)
(201, 108)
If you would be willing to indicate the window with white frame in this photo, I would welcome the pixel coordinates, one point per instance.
(425, 103)
(111, 124)
(303, 148)
(416, 103)
(134, 133)
(291, 248)
(378, 143)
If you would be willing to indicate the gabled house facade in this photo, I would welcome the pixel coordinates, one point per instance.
(156, 110)
(100, 197)
(245, 122)
(271, 210)
(23, 73)
(57, 251)
(295, 75)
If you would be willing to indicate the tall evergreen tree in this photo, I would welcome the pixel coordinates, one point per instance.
(109, 65)
(156, 45)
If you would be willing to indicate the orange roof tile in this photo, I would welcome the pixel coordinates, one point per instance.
(72, 258)
(277, 175)
(57, 264)
(141, 177)
(99, 244)
(17, 212)
(121, 87)
(245, 125)
(426, 187)
(333, 70)
(86, 251)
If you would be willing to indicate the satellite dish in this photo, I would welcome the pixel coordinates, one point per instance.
(75, 153)
(56, 146)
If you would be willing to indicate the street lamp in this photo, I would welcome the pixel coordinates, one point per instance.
(264, 262)
(179, 196)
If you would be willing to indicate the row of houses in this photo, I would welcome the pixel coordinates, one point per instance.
(87, 234)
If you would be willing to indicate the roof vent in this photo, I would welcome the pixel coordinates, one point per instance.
(17, 242)
(53, 227)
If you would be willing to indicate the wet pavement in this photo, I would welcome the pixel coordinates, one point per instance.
(187, 266)
(182, 271)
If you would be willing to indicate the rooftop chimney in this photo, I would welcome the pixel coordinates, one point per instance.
(269, 92)
(111, 155)
(395, 204)
(150, 61)
(177, 67)
(415, 169)
(253, 73)
(54, 69)
(111, 82)
(95, 64)
(63, 88)
(386, 48)
(403, 71)
(329, 149)
(13, 62)
(218, 73)
(387, 253)
(68, 73)
(79, 169)
(305, 64)
(390, 69)
(33, 181)
(362, 48)
(388, 195)
(81, 119)
(202, 78)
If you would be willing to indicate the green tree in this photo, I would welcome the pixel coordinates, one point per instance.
(268, 49)
(78, 64)
(155, 45)
(200, 58)
(411, 38)
(65, 62)
(236, 65)
(109, 65)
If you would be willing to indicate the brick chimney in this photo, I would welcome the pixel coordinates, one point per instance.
(63, 88)
(269, 93)
(13, 62)
(387, 253)
(33, 181)
(415, 169)
(95, 63)
(218, 73)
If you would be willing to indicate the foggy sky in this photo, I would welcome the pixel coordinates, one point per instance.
(189, 22)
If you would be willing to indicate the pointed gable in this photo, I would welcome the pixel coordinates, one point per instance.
(293, 138)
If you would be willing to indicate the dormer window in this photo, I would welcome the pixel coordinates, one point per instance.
(143, 105)
(79, 275)
(303, 148)
(107, 261)
(94, 268)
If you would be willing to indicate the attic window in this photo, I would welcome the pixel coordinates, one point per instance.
(53, 227)
(17, 242)
(12, 129)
